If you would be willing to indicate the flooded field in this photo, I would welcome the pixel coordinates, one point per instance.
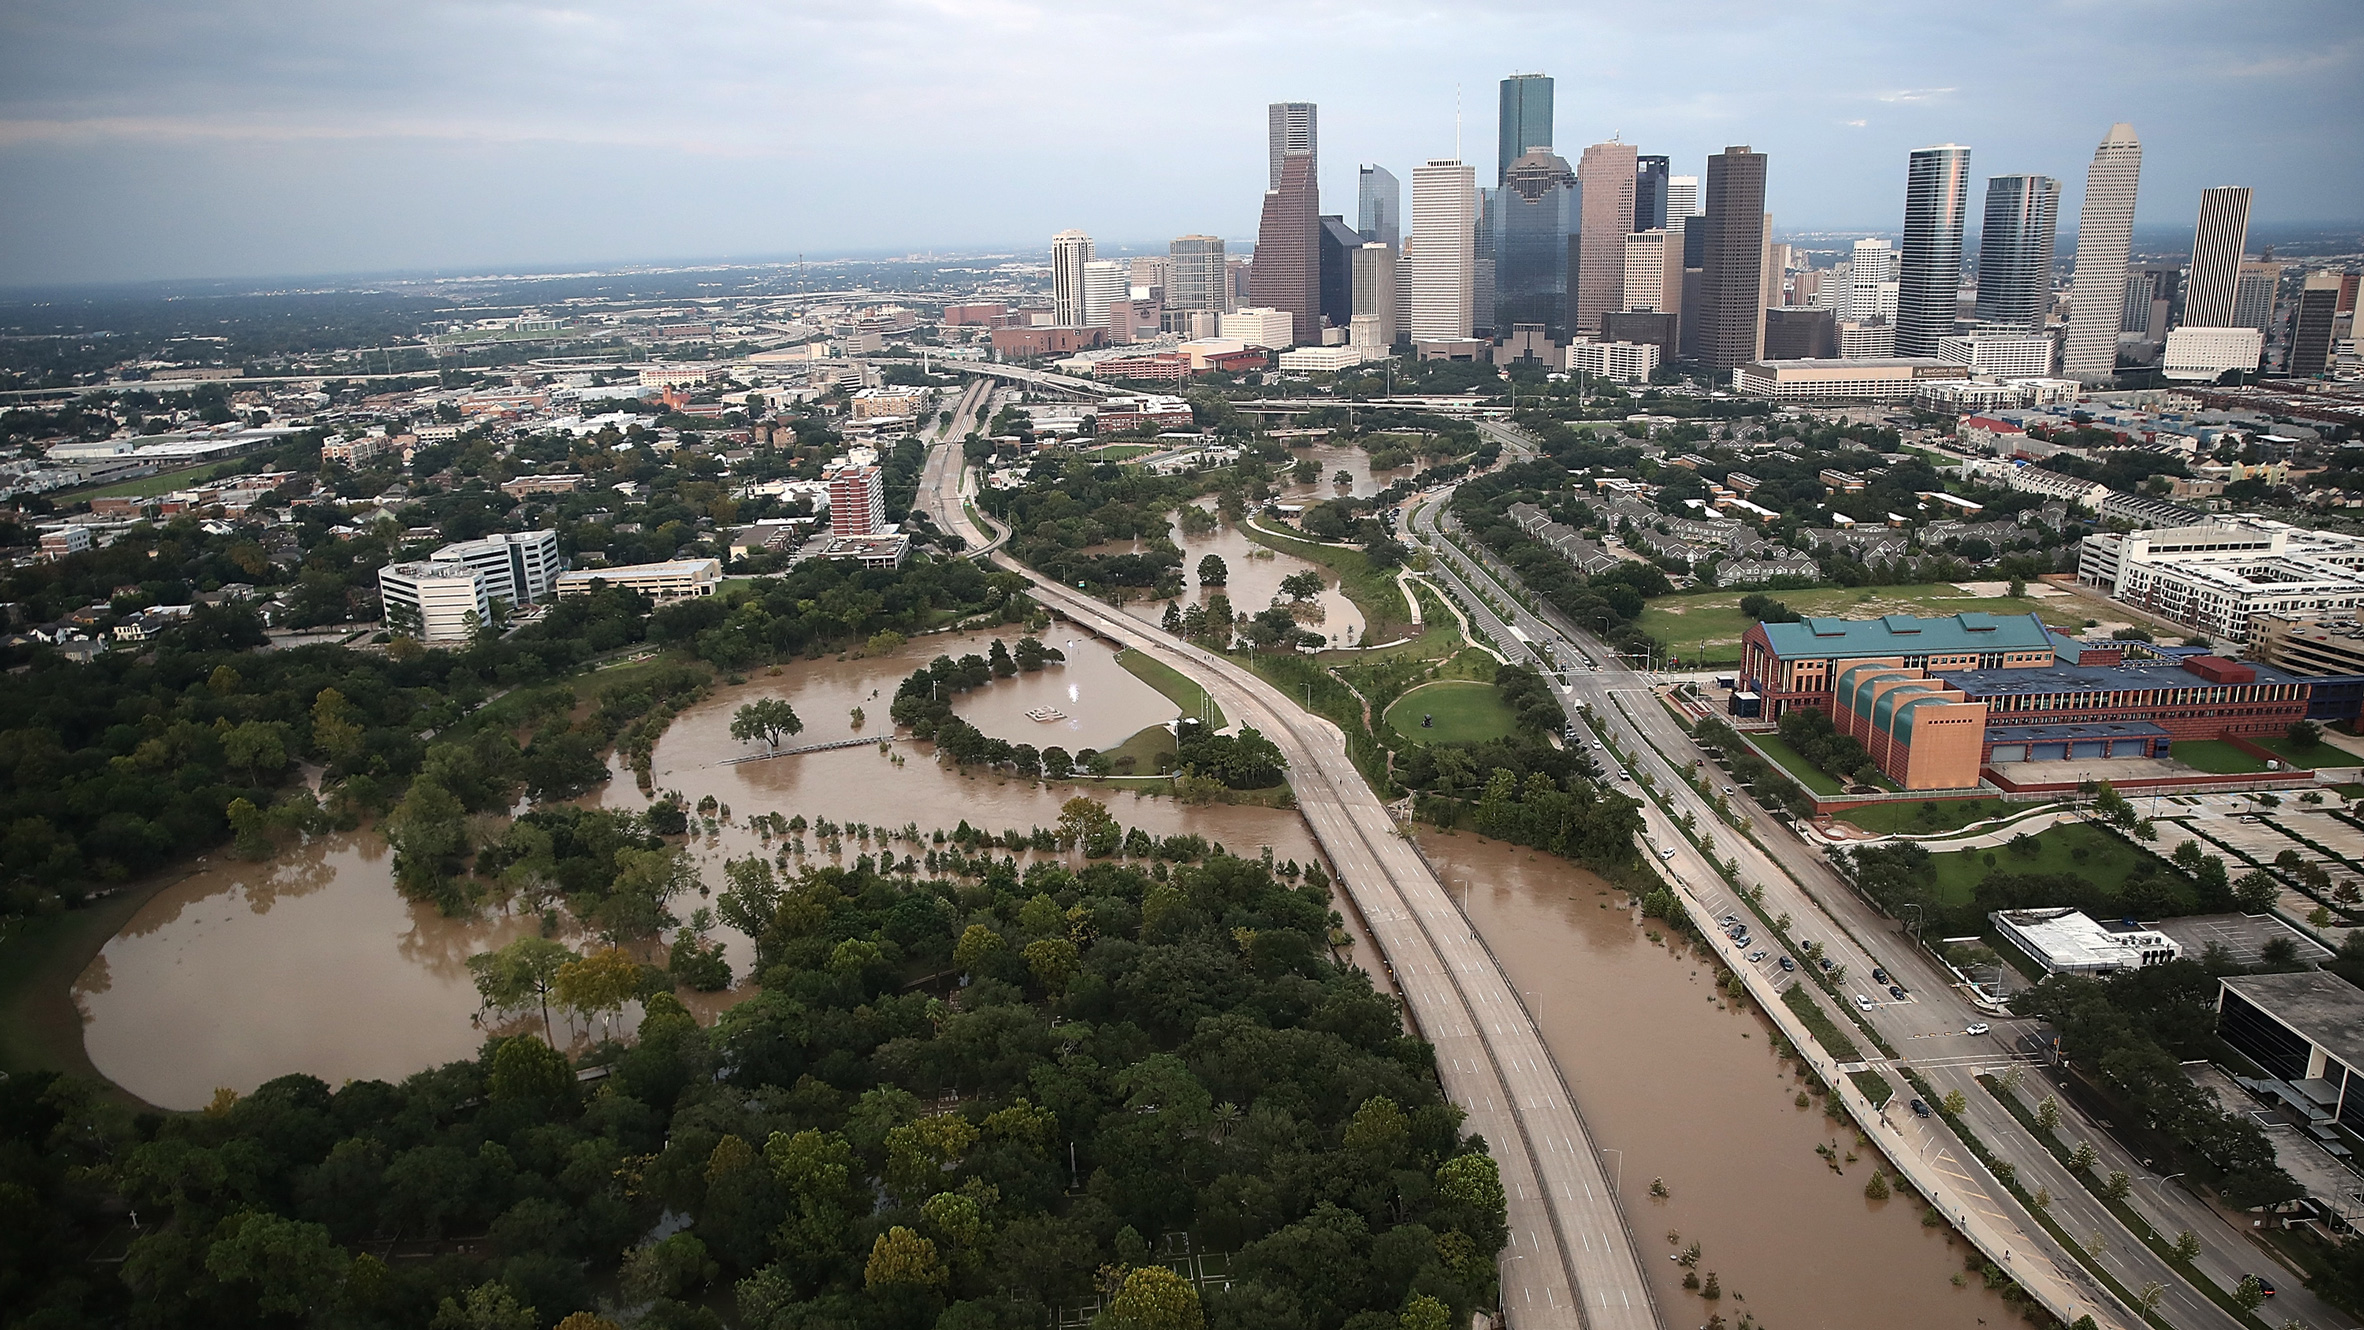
(1333, 458)
(312, 962)
(1673, 1085)
(1255, 577)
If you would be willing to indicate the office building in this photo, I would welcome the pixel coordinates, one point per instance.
(1106, 281)
(1731, 286)
(2152, 290)
(437, 601)
(1866, 340)
(2196, 354)
(1338, 244)
(1653, 279)
(1656, 329)
(2015, 251)
(1525, 120)
(1198, 278)
(2310, 325)
(1897, 379)
(2305, 1029)
(1440, 257)
(2212, 287)
(519, 567)
(1619, 362)
(2105, 236)
(2009, 355)
(1871, 291)
(857, 500)
(1531, 218)
(1071, 251)
(1152, 272)
(2066, 941)
(1801, 334)
(1374, 295)
(1606, 177)
(1929, 278)
(1649, 193)
(1270, 329)
(1294, 133)
(1287, 272)
(1379, 206)
(2253, 295)
(1682, 200)
(672, 580)
(2216, 579)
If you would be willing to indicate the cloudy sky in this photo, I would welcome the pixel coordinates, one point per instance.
(251, 138)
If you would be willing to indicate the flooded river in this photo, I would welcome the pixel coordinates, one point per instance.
(1255, 573)
(1674, 1086)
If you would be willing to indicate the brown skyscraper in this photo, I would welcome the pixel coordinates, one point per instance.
(1732, 280)
(1287, 273)
(1597, 287)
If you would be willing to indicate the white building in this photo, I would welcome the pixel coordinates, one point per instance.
(519, 567)
(2009, 356)
(1272, 329)
(2214, 578)
(677, 579)
(1871, 283)
(1619, 362)
(1440, 256)
(2086, 494)
(1895, 379)
(433, 600)
(675, 376)
(2202, 355)
(59, 541)
(2067, 942)
(1866, 341)
(1322, 359)
(1654, 271)
(1105, 282)
(2105, 237)
(1070, 252)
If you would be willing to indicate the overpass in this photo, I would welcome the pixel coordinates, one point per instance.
(1572, 1263)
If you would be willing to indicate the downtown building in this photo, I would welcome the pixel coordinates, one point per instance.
(1606, 175)
(518, 567)
(1936, 206)
(1437, 280)
(1529, 224)
(1287, 272)
(2105, 237)
(2015, 252)
(1732, 279)
(2217, 579)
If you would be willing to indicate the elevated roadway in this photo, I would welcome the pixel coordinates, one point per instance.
(1572, 1263)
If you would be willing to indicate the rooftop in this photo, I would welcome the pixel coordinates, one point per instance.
(1903, 634)
(2323, 1007)
(2093, 679)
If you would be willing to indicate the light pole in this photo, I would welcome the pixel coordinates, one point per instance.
(1618, 1184)
(2158, 1186)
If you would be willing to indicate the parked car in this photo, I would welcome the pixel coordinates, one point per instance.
(1788, 964)
(1896, 992)
(1976, 1027)
(1920, 1110)
(1879, 976)
(1755, 957)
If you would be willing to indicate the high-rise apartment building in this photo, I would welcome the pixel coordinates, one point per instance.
(1530, 221)
(1649, 193)
(1374, 291)
(1732, 277)
(1070, 251)
(1440, 256)
(1287, 272)
(1379, 206)
(2105, 236)
(1294, 133)
(1605, 174)
(1682, 200)
(2253, 295)
(2015, 251)
(1198, 278)
(1936, 208)
(2212, 285)
(2310, 325)
(1106, 281)
(857, 500)
(1339, 243)
(1525, 121)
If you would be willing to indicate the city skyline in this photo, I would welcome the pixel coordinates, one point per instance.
(174, 146)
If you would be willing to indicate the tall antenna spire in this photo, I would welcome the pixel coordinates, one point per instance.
(1456, 122)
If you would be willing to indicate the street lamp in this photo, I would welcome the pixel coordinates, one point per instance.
(2158, 1185)
(1619, 1184)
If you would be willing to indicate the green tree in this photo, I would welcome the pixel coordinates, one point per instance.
(2249, 1294)
(488, 1306)
(977, 942)
(1425, 1313)
(257, 748)
(901, 1256)
(429, 833)
(1212, 571)
(521, 974)
(2304, 735)
(296, 1267)
(1155, 1298)
(770, 719)
(600, 983)
(1473, 1183)
(1052, 961)
(527, 1069)
(1302, 586)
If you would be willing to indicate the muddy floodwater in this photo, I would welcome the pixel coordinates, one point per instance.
(1675, 1086)
(312, 962)
(1256, 572)
(1333, 458)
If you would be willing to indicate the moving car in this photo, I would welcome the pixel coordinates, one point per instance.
(1920, 1110)
(1667, 853)
(1896, 992)
(1879, 976)
(1976, 1027)
(1863, 1002)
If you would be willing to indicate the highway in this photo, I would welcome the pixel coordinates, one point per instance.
(1927, 1027)
(1572, 1263)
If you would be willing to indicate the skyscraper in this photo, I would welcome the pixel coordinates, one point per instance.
(1597, 287)
(1198, 279)
(1525, 121)
(1531, 217)
(2214, 280)
(2310, 324)
(1440, 258)
(2105, 234)
(2253, 297)
(1936, 205)
(1654, 272)
(1294, 133)
(1339, 244)
(1732, 279)
(1287, 272)
(1374, 291)
(1070, 251)
(1379, 206)
(2015, 250)
(1649, 193)
(1871, 283)
(1106, 281)
(1682, 200)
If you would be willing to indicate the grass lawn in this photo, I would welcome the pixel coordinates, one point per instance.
(1439, 636)
(1922, 817)
(2213, 756)
(1712, 619)
(2321, 755)
(1463, 711)
(1788, 759)
(164, 482)
(1373, 590)
(1118, 452)
(1140, 755)
(1179, 688)
(2106, 863)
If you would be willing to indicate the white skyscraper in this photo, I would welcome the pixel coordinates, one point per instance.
(1070, 252)
(2211, 286)
(1106, 281)
(1441, 255)
(1871, 283)
(1682, 199)
(2105, 236)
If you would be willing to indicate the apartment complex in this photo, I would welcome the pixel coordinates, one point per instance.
(2217, 579)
